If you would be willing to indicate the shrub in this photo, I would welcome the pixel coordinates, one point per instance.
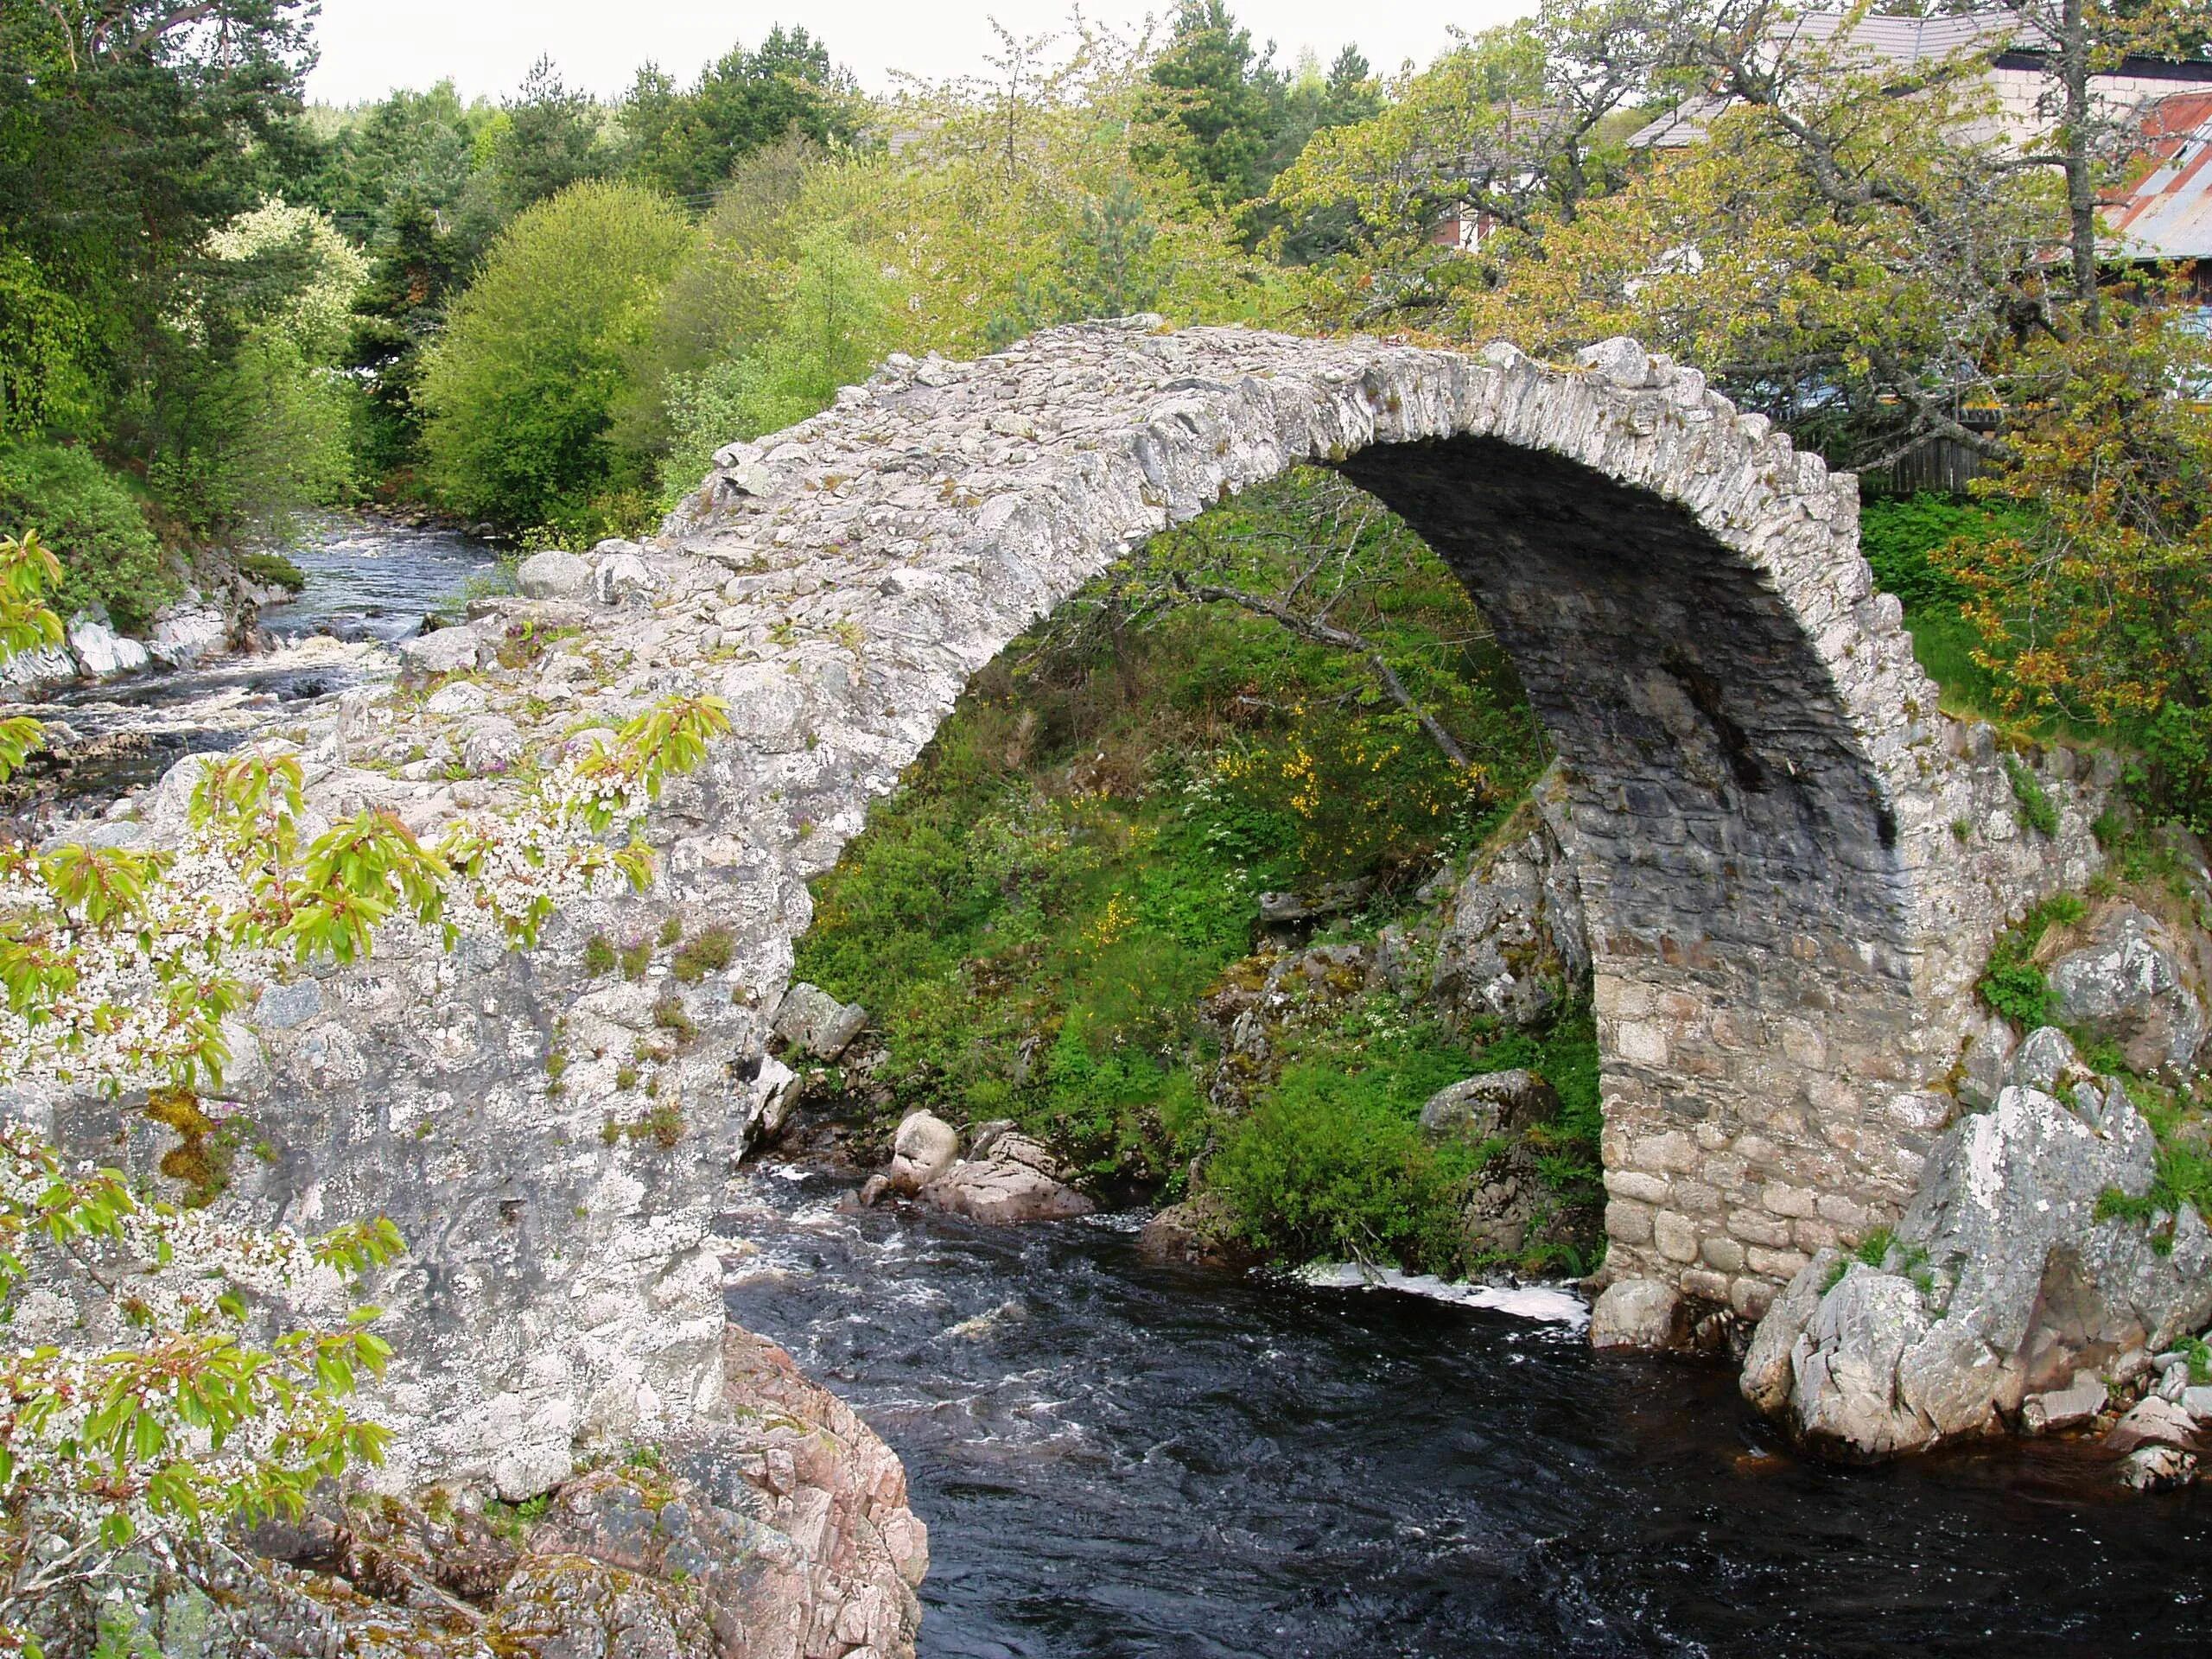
(521, 389)
(94, 524)
(2013, 985)
(1331, 1164)
(2037, 811)
(272, 570)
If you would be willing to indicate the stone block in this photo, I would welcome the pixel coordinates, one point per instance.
(1701, 1282)
(1675, 1233)
(1722, 1252)
(1635, 1184)
(1791, 1201)
(1754, 1228)
(1628, 1221)
(1696, 1198)
(1779, 1265)
(1812, 1235)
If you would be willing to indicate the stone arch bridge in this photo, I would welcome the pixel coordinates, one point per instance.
(1792, 863)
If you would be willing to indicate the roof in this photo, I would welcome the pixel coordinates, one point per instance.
(2167, 213)
(1900, 43)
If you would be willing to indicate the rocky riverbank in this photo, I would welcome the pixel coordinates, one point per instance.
(776, 1527)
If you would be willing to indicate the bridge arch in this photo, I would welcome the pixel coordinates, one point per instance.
(1759, 780)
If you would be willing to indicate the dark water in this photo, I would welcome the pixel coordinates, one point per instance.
(369, 584)
(1118, 1458)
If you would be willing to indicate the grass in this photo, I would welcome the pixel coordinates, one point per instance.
(706, 952)
(2037, 810)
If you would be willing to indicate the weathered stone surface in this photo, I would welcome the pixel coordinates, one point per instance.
(1499, 1103)
(553, 574)
(620, 574)
(2067, 1408)
(101, 652)
(1200, 1232)
(2128, 986)
(442, 650)
(814, 1022)
(2152, 1421)
(1517, 945)
(1645, 1314)
(186, 632)
(1016, 1180)
(2158, 1468)
(2003, 1281)
(924, 1146)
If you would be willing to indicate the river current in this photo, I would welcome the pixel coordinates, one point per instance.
(1119, 1458)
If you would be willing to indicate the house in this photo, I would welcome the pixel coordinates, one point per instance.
(2165, 215)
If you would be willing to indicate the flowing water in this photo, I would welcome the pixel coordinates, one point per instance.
(1120, 1458)
(370, 584)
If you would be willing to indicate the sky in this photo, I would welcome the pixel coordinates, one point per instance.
(368, 47)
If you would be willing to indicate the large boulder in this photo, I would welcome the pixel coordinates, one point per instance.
(924, 1146)
(442, 650)
(1200, 1232)
(2002, 1281)
(777, 1528)
(188, 632)
(1016, 1180)
(619, 574)
(1516, 944)
(553, 574)
(1498, 1102)
(2128, 985)
(101, 652)
(811, 1021)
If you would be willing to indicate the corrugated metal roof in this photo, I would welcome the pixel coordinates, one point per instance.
(1905, 42)
(2167, 214)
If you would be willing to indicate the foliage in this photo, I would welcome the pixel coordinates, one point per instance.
(142, 1437)
(399, 310)
(1331, 1164)
(112, 556)
(2014, 984)
(272, 570)
(1035, 917)
(684, 143)
(2037, 811)
(2099, 607)
(825, 321)
(521, 388)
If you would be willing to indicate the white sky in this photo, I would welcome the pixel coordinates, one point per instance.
(485, 46)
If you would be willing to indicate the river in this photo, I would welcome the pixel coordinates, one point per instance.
(1118, 1458)
(370, 584)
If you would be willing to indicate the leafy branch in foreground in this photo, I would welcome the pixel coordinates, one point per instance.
(141, 1420)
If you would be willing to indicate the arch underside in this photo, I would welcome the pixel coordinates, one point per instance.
(1737, 853)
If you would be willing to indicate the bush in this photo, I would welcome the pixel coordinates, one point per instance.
(94, 524)
(1335, 1165)
(2014, 985)
(521, 389)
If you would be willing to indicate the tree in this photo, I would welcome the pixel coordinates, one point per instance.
(833, 319)
(546, 138)
(397, 317)
(520, 391)
(1213, 106)
(411, 148)
(684, 143)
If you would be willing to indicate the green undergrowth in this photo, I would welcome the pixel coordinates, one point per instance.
(1036, 917)
(2014, 984)
(2182, 1124)
(1332, 1161)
